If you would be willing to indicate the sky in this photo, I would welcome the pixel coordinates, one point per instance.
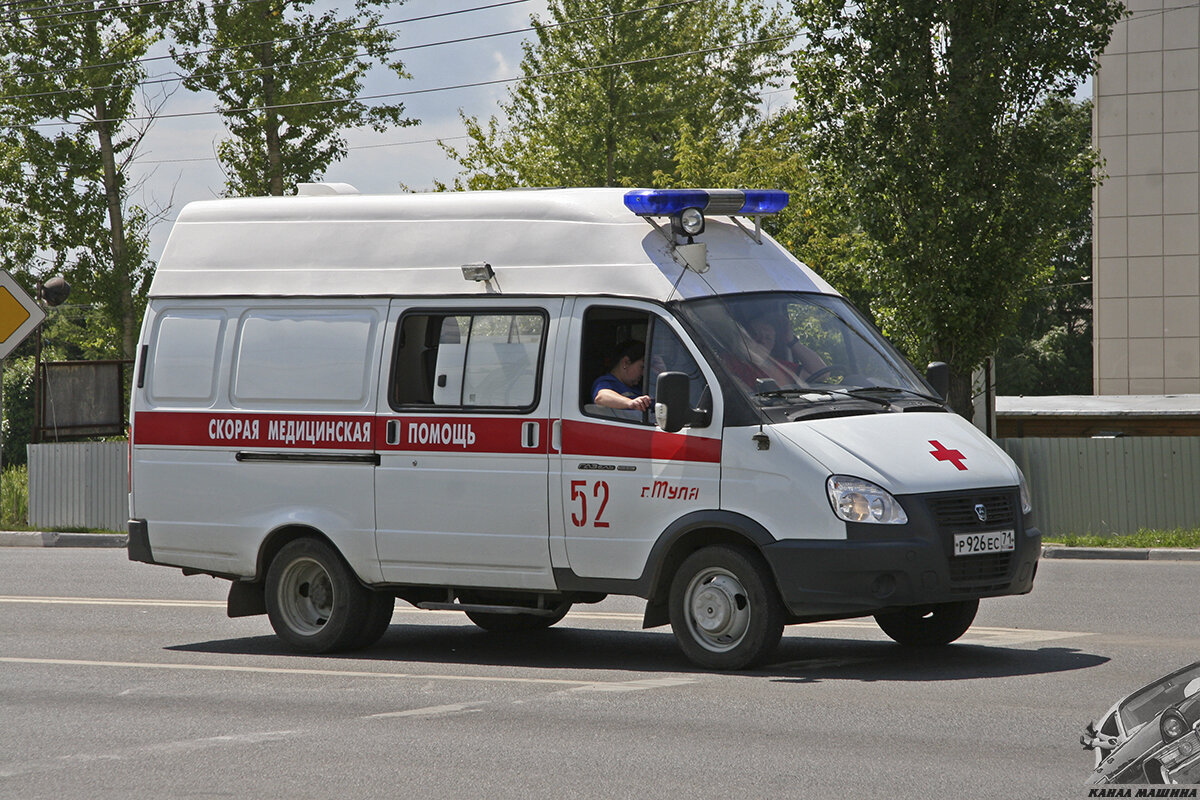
(177, 164)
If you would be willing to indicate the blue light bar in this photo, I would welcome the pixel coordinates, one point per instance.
(669, 202)
(764, 201)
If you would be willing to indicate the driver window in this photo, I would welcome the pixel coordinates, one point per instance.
(623, 353)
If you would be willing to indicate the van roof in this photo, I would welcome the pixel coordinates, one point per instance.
(331, 241)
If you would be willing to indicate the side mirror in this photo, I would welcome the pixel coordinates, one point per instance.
(672, 409)
(938, 375)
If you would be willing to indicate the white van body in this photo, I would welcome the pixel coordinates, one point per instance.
(390, 396)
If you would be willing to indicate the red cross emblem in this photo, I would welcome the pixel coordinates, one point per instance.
(941, 453)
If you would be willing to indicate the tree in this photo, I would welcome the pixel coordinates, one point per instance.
(286, 81)
(68, 87)
(942, 117)
(1050, 351)
(818, 224)
(611, 86)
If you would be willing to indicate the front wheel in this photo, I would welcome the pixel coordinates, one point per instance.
(316, 604)
(724, 609)
(929, 626)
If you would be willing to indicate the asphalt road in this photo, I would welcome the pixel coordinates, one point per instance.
(124, 680)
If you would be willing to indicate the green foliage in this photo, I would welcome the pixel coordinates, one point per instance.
(1050, 350)
(17, 427)
(285, 79)
(944, 119)
(818, 224)
(610, 86)
(67, 198)
(14, 497)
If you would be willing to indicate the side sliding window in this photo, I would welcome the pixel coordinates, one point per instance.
(468, 360)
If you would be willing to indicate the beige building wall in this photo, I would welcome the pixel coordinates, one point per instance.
(1146, 225)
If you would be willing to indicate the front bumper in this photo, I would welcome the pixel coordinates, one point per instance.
(878, 567)
(1180, 759)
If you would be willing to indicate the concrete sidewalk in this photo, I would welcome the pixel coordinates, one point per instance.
(51, 539)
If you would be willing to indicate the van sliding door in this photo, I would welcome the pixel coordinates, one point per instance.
(461, 487)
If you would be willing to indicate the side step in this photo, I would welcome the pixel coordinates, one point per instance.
(484, 609)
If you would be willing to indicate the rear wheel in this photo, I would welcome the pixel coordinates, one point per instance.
(928, 626)
(377, 620)
(316, 604)
(724, 609)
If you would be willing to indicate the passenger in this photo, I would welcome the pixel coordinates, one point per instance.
(765, 358)
(800, 359)
(615, 388)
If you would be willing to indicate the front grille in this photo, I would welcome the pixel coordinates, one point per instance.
(989, 570)
(957, 514)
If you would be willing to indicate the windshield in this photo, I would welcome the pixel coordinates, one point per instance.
(790, 342)
(1146, 704)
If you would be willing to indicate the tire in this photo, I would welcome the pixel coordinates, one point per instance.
(724, 609)
(929, 626)
(377, 620)
(516, 623)
(316, 604)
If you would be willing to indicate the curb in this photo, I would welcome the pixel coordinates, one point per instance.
(53, 539)
(1122, 553)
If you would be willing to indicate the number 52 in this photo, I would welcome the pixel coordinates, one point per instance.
(579, 509)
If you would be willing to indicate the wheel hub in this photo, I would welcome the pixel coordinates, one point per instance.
(720, 612)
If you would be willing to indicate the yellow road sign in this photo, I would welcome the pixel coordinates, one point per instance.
(19, 314)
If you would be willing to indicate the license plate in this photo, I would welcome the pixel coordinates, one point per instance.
(973, 544)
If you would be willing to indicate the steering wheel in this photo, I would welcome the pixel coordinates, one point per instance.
(816, 375)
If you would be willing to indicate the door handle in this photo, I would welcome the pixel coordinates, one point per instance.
(530, 434)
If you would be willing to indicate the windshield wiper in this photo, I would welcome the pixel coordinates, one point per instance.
(846, 393)
(896, 390)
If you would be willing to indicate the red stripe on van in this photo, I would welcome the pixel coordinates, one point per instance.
(457, 434)
(627, 441)
(233, 429)
(447, 434)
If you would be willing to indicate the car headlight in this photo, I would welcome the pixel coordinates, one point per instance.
(1026, 504)
(1172, 725)
(856, 500)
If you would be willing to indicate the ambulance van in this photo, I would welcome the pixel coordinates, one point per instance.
(344, 399)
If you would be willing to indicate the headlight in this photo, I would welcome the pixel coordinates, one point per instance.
(856, 500)
(1172, 725)
(1026, 505)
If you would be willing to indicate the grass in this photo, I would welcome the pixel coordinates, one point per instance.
(1179, 537)
(14, 498)
(14, 503)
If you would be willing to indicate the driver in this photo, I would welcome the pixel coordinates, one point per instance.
(615, 388)
(801, 359)
(765, 357)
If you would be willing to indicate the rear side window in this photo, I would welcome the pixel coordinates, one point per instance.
(468, 360)
(183, 363)
(302, 357)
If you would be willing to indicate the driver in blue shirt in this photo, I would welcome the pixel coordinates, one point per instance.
(615, 388)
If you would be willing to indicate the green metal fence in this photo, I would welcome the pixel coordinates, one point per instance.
(1111, 486)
